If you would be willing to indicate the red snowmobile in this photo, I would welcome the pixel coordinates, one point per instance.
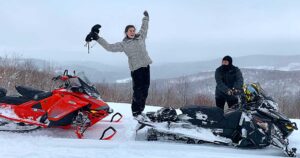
(75, 104)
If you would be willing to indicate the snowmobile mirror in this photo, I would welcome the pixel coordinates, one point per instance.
(56, 78)
(65, 72)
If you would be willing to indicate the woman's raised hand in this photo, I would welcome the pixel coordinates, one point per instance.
(146, 13)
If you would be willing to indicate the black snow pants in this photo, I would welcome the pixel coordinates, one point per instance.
(140, 85)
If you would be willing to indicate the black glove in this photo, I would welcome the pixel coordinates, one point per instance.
(96, 28)
(93, 35)
(146, 13)
(229, 92)
(235, 91)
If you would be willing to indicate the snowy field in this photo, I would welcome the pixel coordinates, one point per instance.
(59, 143)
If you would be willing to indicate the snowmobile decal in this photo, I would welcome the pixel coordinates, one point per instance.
(201, 116)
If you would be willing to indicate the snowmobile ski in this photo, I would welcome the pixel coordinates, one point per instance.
(181, 132)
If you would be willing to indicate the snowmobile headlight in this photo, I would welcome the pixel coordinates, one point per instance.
(93, 111)
(291, 126)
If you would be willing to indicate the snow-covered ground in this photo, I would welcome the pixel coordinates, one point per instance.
(125, 80)
(59, 143)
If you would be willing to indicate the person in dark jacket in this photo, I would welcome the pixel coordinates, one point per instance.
(134, 46)
(229, 79)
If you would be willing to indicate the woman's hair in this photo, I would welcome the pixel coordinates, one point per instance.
(128, 27)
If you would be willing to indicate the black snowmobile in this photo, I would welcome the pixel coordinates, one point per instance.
(254, 123)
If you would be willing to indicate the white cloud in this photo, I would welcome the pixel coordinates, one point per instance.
(179, 30)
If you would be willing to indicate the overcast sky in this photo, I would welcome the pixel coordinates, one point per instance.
(179, 30)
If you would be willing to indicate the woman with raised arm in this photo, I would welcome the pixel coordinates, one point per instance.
(134, 46)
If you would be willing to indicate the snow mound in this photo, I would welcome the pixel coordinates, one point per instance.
(54, 143)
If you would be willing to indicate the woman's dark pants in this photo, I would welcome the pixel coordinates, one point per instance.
(140, 84)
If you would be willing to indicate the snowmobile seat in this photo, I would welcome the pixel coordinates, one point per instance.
(41, 96)
(204, 113)
(28, 92)
(13, 100)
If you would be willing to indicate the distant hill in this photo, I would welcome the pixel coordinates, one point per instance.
(275, 82)
(270, 62)
(99, 72)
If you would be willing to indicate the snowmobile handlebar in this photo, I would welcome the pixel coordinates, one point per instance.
(236, 92)
(64, 77)
(241, 104)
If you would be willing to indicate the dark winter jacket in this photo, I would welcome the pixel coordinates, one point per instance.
(134, 48)
(227, 79)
